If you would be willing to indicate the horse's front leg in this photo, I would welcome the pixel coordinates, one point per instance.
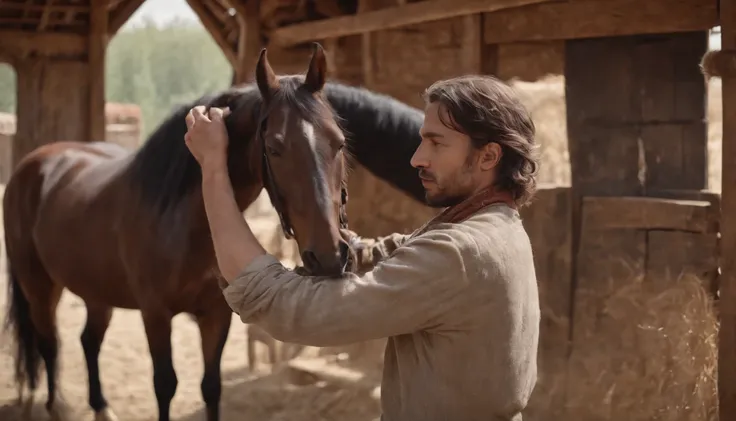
(214, 325)
(157, 322)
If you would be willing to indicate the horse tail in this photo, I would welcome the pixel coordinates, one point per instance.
(27, 357)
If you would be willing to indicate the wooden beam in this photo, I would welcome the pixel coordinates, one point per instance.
(249, 40)
(727, 304)
(598, 18)
(23, 43)
(368, 51)
(392, 17)
(651, 213)
(121, 14)
(98, 21)
(213, 26)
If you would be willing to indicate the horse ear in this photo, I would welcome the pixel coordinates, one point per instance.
(317, 73)
(265, 77)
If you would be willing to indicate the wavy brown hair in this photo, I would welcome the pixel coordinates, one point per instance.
(488, 110)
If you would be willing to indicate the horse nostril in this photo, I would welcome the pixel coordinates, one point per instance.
(310, 260)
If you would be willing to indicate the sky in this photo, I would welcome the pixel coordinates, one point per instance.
(162, 11)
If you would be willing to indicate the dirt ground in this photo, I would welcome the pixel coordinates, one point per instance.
(280, 394)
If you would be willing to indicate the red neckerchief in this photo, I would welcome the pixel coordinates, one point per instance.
(470, 206)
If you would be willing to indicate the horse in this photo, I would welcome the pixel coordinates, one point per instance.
(382, 134)
(128, 229)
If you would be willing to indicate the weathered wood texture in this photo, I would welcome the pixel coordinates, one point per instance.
(727, 305)
(630, 93)
(648, 213)
(635, 113)
(598, 18)
(17, 45)
(249, 41)
(52, 104)
(456, 41)
(390, 18)
(548, 223)
(530, 61)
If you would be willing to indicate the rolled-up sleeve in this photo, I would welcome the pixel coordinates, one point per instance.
(409, 291)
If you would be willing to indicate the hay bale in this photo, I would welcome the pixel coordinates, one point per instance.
(652, 355)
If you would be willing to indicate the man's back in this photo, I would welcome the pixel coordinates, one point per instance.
(479, 361)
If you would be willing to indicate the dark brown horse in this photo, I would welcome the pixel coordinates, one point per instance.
(130, 231)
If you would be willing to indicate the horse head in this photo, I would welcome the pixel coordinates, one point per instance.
(299, 147)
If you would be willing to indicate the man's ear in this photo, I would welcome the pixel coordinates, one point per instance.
(490, 156)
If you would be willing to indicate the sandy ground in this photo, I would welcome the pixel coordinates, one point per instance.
(126, 373)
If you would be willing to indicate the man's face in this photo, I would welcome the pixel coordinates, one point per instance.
(448, 164)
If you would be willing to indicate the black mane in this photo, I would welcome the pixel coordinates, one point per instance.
(165, 172)
(382, 132)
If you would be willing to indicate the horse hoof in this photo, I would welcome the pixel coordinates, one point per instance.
(56, 414)
(28, 407)
(106, 415)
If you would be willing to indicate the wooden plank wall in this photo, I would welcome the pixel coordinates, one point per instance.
(635, 120)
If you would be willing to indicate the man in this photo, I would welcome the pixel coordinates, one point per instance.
(457, 298)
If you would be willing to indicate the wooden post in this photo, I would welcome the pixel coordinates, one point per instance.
(249, 40)
(727, 303)
(96, 60)
(53, 103)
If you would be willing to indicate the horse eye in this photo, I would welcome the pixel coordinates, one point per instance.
(271, 151)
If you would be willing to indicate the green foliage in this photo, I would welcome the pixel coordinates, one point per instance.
(160, 68)
(157, 68)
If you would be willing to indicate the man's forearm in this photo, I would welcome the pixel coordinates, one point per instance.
(235, 244)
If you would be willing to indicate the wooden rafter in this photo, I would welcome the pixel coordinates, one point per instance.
(597, 18)
(21, 43)
(121, 14)
(388, 18)
(40, 7)
(249, 39)
(45, 16)
(214, 27)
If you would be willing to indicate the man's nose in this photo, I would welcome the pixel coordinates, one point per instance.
(419, 159)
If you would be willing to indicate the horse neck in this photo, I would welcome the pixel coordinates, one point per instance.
(169, 192)
(383, 134)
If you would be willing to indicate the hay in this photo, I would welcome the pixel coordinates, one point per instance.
(652, 355)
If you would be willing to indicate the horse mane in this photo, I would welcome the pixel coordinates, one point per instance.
(382, 134)
(165, 173)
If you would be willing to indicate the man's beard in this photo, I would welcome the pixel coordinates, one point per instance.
(441, 198)
(444, 198)
(442, 201)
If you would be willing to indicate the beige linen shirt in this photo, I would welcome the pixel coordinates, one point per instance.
(458, 303)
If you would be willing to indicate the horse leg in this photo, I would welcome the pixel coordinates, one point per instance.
(48, 346)
(98, 319)
(213, 328)
(34, 322)
(157, 323)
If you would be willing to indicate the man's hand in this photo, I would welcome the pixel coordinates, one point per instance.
(207, 137)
